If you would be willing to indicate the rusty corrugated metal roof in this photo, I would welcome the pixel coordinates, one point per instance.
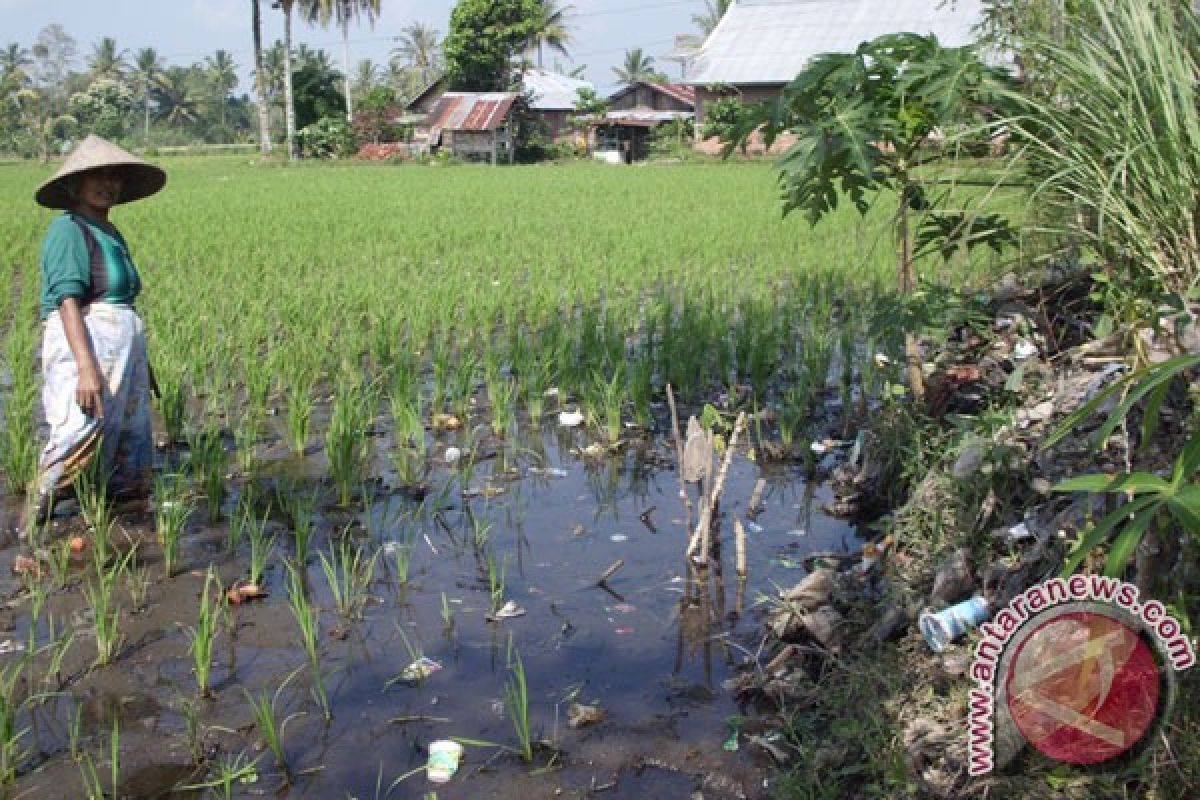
(470, 111)
(684, 94)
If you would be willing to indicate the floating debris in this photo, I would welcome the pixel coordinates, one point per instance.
(241, 592)
(570, 419)
(420, 669)
(579, 715)
(618, 537)
(452, 455)
(549, 472)
(506, 611)
(444, 755)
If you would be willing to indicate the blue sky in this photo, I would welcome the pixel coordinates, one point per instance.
(185, 31)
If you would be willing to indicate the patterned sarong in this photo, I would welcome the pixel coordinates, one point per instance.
(126, 448)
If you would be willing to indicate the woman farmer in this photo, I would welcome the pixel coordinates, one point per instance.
(96, 379)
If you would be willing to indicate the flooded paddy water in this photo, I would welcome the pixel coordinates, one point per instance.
(539, 522)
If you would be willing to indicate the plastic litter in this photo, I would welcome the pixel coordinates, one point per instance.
(1024, 349)
(444, 755)
(508, 611)
(11, 646)
(618, 537)
(942, 628)
(579, 715)
(423, 667)
(550, 472)
(570, 419)
(452, 455)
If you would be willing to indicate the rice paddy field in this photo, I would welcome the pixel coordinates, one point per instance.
(418, 413)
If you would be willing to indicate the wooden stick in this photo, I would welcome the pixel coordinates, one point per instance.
(755, 507)
(612, 570)
(780, 660)
(683, 495)
(700, 537)
(739, 543)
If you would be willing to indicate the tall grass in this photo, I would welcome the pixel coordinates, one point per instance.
(1115, 145)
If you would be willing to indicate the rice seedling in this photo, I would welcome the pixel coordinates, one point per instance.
(270, 727)
(171, 511)
(609, 397)
(12, 748)
(346, 442)
(137, 581)
(308, 622)
(299, 411)
(58, 644)
(91, 490)
(172, 403)
(401, 552)
(90, 774)
(300, 509)
(207, 466)
(447, 615)
(246, 434)
(462, 386)
(19, 443)
(349, 575)
(496, 584)
(516, 702)
(231, 772)
(204, 634)
(502, 396)
(106, 615)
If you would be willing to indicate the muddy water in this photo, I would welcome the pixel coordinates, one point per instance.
(651, 648)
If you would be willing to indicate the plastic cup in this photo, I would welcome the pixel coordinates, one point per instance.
(945, 626)
(444, 755)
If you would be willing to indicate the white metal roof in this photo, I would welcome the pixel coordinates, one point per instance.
(552, 91)
(770, 41)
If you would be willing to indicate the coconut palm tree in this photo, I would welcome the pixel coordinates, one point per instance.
(260, 82)
(147, 67)
(107, 60)
(366, 77)
(175, 98)
(713, 11)
(551, 29)
(14, 59)
(420, 49)
(222, 77)
(637, 68)
(343, 12)
(289, 101)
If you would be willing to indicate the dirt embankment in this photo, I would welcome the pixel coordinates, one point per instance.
(861, 703)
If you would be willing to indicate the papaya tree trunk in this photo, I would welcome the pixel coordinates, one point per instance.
(912, 349)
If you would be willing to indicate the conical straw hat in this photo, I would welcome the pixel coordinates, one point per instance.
(138, 179)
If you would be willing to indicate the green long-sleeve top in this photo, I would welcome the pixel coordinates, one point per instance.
(69, 270)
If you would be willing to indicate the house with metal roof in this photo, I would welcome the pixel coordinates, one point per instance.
(759, 46)
(474, 126)
(552, 98)
(624, 133)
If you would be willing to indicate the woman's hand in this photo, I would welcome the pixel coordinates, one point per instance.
(89, 392)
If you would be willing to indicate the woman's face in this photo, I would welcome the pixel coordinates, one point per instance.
(100, 189)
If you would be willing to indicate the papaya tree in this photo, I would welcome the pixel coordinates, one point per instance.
(870, 124)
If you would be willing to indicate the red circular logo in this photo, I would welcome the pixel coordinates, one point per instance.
(1083, 687)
